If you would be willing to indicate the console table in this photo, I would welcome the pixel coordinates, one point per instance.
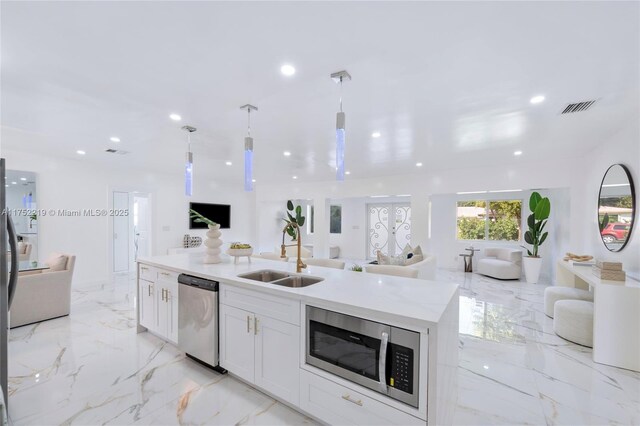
(616, 315)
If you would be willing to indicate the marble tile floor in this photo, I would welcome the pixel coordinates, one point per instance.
(92, 368)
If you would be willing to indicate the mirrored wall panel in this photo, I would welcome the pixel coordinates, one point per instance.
(22, 202)
(616, 207)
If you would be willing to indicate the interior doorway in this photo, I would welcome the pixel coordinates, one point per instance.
(389, 228)
(131, 230)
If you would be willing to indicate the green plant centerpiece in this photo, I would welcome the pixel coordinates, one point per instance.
(294, 215)
(540, 208)
(356, 268)
(198, 218)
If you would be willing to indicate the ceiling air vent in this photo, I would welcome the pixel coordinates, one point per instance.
(116, 151)
(578, 107)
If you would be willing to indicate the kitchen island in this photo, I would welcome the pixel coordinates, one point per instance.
(264, 334)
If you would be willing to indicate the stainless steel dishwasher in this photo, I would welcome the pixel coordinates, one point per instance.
(198, 319)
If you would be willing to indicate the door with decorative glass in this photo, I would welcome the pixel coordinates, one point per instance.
(389, 228)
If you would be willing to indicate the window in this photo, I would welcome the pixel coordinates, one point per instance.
(335, 224)
(497, 220)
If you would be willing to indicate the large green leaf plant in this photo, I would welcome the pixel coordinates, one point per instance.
(536, 235)
(294, 215)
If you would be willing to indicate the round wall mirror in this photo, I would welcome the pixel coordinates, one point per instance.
(616, 207)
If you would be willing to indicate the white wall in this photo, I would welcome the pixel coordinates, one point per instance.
(77, 184)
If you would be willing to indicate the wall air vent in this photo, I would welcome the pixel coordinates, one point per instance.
(578, 107)
(116, 151)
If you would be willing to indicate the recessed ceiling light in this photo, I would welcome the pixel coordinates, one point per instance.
(286, 153)
(418, 164)
(287, 70)
(80, 152)
(471, 192)
(295, 177)
(375, 134)
(253, 180)
(23, 178)
(14, 183)
(175, 117)
(516, 153)
(114, 139)
(347, 172)
(537, 99)
(228, 163)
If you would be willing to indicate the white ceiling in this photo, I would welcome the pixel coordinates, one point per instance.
(446, 84)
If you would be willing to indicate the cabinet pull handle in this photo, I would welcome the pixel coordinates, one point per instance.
(255, 326)
(144, 268)
(166, 296)
(149, 287)
(248, 324)
(348, 398)
(166, 274)
(163, 294)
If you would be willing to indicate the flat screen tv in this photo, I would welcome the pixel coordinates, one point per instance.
(219, 213)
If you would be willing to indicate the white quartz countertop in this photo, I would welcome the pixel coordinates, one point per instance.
(405, 300)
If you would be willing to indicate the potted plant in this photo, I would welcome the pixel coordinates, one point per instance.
(540, 209)
(213, 241)
(297, 219)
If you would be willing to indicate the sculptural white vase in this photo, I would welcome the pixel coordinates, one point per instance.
(212, 244)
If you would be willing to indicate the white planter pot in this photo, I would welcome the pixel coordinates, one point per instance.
(532, 267)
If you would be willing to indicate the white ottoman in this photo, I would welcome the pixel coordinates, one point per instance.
(573, 321)
(553, 294)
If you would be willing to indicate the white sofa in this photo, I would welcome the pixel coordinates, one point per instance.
(426, 267)
(501, 263)
(42, 295)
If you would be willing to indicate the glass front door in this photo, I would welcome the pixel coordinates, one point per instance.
(389, 228)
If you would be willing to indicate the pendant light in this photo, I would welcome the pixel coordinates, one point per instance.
(248, 150)
(339, 77)
(188, 168)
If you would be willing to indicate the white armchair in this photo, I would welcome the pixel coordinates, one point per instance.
(501, 263)
(42, 296)
(24, 251)
(426, 267)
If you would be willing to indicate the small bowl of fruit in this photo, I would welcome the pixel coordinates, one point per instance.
(240, 250)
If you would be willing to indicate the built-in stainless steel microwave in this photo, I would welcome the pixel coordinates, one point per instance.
(377, 356)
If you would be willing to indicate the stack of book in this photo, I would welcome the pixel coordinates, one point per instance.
(608, 270)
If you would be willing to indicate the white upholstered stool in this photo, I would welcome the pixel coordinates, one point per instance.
(553, 294)
(573, 321)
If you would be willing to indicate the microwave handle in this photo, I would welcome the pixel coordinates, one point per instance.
(382, 361)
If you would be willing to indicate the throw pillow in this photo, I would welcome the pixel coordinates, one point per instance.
(406, 251)
(417, 251)
(383, 259)
(414, 259)
(56, 262)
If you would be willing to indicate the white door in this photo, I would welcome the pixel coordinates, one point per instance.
(389, 228)
(277, 358)
(237, 342)
(120, 233)
(141, 212)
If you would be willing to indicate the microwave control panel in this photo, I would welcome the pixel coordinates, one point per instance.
(401, 376)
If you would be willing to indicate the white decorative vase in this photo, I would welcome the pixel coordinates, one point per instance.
(532, 267)
(213, 243)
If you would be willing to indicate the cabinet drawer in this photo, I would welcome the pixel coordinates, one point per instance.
(336, 404)
(147, 272)
(276, 307)
(166, 275)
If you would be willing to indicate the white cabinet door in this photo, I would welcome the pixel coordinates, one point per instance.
(237, 342)
(146, 299)
(171, 296)
(277, 357)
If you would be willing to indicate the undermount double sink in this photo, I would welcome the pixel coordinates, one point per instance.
(281, 278)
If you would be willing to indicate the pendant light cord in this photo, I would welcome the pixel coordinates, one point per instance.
(340, 93)
(249, 121)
